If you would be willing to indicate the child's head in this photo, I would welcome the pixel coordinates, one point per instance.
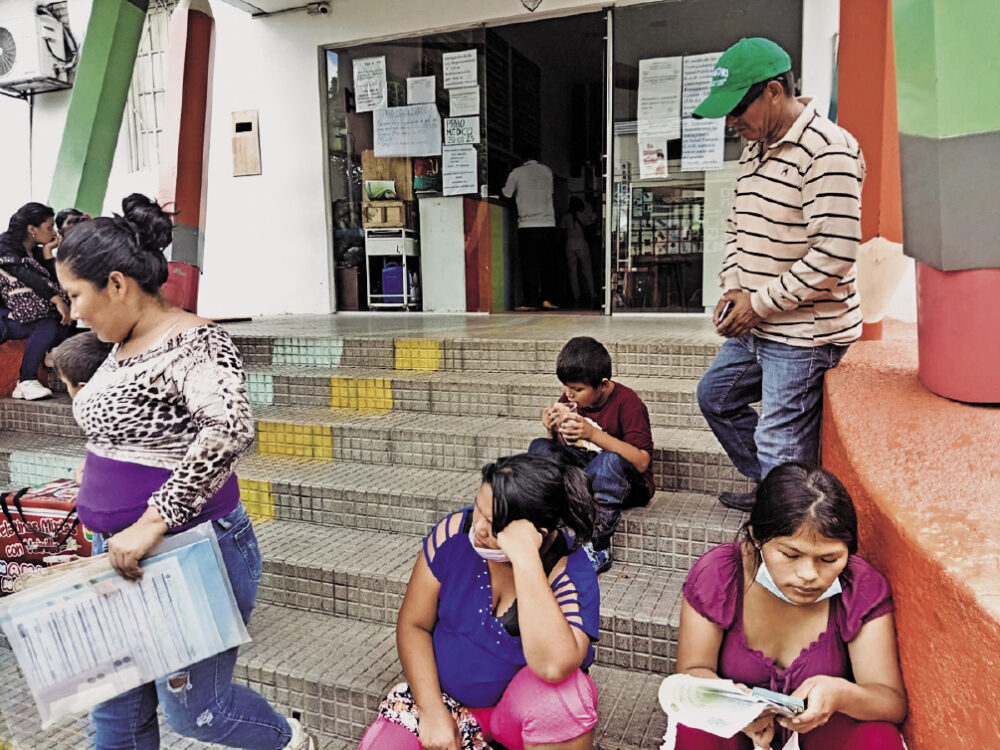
(68, 218)
(583, 360)
(546, 491)
(584, 367)
(803, 526)
(77, 358)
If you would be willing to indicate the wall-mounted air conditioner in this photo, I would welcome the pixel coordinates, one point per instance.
(34, 56)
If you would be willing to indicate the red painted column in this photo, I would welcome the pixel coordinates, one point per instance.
(866, 90)
(184, 159)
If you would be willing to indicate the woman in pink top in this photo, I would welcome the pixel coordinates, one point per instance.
(793, 609)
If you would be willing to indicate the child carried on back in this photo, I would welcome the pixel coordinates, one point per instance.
(603, 426)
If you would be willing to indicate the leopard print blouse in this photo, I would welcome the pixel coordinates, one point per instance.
(181, 405)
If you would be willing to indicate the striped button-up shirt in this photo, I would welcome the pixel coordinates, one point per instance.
(792, 235)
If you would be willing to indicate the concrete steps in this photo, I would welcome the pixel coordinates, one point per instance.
(335, 686)
(369, 430)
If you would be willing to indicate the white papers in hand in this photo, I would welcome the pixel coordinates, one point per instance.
(714, 706)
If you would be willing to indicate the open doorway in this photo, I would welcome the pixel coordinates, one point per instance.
(545, 101)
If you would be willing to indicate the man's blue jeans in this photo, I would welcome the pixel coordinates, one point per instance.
(615, 482)
(201, 701)
(787, 380)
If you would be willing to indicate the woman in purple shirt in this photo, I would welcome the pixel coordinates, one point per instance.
(793, 609)
(166, 417)
(499, 620)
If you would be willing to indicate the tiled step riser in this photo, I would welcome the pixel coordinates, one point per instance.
(494, 355)
(625, 642)
(674, 409)
(675, 469)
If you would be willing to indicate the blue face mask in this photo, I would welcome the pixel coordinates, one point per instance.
(765, 580)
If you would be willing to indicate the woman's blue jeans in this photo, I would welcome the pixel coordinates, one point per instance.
(787, 380)
(201, 701)
(42, 335)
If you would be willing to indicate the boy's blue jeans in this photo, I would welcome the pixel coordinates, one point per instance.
(207, 706)
(615, 482)
(787, 380)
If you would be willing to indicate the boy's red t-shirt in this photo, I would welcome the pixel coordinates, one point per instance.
(624, 416)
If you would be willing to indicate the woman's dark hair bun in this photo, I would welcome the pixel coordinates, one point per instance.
(152, 225)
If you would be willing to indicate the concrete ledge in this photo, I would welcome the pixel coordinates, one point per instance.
(924, 473)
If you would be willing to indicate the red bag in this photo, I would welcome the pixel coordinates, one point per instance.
(39, 528)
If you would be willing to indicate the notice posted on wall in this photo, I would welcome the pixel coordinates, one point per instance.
(702, 141)
(460, 130)
(421, 90)
(460, 68)
(658, 110)
(414, 130)
(370, 90)
(464, 101)
(459, 167)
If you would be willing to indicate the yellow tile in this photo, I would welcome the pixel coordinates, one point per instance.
(418, 354)
(362, 395)
(301, 440)
(258, 499)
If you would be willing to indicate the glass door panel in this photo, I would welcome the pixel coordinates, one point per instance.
(666, 224)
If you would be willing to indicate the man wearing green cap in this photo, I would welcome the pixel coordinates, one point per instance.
(789, 309)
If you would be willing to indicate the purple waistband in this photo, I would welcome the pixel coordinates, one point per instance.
(113, 494)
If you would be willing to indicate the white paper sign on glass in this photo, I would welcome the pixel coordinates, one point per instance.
(407, 131)
(459, 167)
(369, 84)
(460, 68)
(702, 141)
(461, 130)
(464, 101)
(659, 103)
(84, 634)
(421, 90)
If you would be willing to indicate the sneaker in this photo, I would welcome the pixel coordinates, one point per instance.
(301, 740)
(743, 501)
(30, 390)
(601, 559)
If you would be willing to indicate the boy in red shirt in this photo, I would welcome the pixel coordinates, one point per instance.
(603, 426)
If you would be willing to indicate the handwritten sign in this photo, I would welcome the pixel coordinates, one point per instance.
(408, 131)
(461, 130)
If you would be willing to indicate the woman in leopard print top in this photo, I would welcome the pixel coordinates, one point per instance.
(166, 418)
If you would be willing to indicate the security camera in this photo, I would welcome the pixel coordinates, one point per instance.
(318, 9)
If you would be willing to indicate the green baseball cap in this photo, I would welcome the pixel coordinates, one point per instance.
(747, 62)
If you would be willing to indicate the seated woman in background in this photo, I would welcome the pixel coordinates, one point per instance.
(499, 619)
(34, 306)
(793, 609)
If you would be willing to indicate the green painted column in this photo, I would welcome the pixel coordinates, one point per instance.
(947, 69)
(96, 105)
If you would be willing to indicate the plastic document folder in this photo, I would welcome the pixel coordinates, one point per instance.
(84, 634)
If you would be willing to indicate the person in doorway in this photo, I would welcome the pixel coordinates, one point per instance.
(499, 620)
(34, 306)
(575, 225)
(166, 417)
(531, 186)
(791, 608)
(790, 307)
(603, 427)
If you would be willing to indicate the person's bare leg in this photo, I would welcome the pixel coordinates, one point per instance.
(583, 742)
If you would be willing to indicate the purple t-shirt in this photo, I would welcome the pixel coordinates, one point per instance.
(476, 656)
(714, 588)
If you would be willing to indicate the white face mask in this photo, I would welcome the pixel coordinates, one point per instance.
(493, 555)
(765, 580)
